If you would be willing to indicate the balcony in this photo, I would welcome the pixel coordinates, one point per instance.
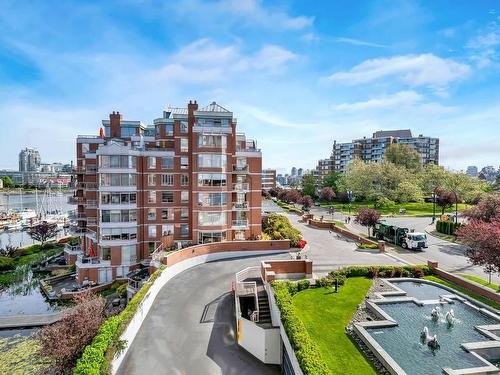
(85, 261)
(91, 204)
(85, 232)
(241, 186)
(81, 216)
(80, 169)
(91, 186)
(243, 169)
(91, 169)
(241, 206)
(72, 249)
(72, 200)
(239, 224)
(91, 221)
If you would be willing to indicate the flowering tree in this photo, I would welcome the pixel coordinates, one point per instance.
(306, 201)
(290, 196)
(367, 217)
(483, 241)
(327, 194)
(487, 209)
(63, 342)
(43, 232)
(274, 192)
(445, 199)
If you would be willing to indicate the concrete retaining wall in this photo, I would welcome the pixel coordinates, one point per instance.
(185, 259)
(345, 233)
(455, 279)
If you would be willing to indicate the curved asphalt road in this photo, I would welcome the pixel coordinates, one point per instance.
(190, 327)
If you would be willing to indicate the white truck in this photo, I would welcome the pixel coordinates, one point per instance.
(414, 241)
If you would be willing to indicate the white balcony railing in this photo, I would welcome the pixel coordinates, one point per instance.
(241, 186)
(240, 168)
(242, 223)
(240, 206)
(249, 288)
(72, 249)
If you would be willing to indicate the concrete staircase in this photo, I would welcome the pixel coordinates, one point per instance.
(264, 312)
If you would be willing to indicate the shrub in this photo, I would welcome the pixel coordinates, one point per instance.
(367, 246)
(398, 272)
(306, 350)
(406, 273)
(96, 356)
(278, 227)
(372, 272)
(303, 285)
(324, 282)
(418, 273)
(122, 290)
(6, 263)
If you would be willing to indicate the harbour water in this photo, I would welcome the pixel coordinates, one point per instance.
(17, 202)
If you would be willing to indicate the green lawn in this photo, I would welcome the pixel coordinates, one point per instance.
(464, 291)
(478, 280)
(412, 208)
(325, 315)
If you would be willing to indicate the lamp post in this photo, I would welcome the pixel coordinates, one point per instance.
(349, 197)
(433, 206)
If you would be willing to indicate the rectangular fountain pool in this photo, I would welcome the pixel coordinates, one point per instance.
(402, 342)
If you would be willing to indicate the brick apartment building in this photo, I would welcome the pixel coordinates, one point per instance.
(268, 179)
(188, 178)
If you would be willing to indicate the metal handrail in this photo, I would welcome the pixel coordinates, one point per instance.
(249, 287)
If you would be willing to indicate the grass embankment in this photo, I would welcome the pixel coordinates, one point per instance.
(465, 291)
(478, 280)
(325, 315)
(412, 208)
(25, 257)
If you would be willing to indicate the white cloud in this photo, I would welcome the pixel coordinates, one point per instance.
(414, 70)
(242, 12)
(485, 45)
(309, 37)
(358, 42)
(399, 99)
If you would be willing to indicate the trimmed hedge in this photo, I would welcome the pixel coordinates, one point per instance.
(278, 227)
(388, 271)
(447, 227)
(97, 356)
(306, 350)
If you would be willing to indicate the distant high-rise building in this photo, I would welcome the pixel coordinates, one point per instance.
(488, 173)
(268, 179)
(300, 171)
(323, 169)
(280, 179)
(472, 171)
(29, 160)
(294, 171)
(373, 149)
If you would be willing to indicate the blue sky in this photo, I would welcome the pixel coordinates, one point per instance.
(297, 75)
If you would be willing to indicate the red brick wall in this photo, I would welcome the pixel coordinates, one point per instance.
(482, 291)
(287, 266)
(343, 232)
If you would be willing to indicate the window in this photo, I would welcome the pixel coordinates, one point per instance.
(184, 196)
(152, 214)
(110, 234)
(151, 247)
(116, 161)
(105, 253)
(184, 162)
(167, 229)
(151, 179)
(151, 162)
(152, 230)
(211, 218)
(184, 127)
(167, 214)
(212, 161)
(212, 179)
(167, 197)
(184, 213)
(117, 179)
(85, 148)
(169, 129)
(167, 162)
(184, 145)
(212, 141)
(213, 122)
(129, 254)
(184, 230)
(212, 199)
(167, 179)
(152, 196)
(127, 132)
(118, 216)
(184, 180)
(208, 237)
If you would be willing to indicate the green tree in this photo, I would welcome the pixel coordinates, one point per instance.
(432, 177)
(408, 191)
(462, 186)
(404, 155)
(7, 182)
(332, 180)
(309, 185)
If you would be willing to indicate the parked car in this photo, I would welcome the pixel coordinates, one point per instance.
(317, 204)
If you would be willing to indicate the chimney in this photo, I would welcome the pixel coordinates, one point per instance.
(191, 108)
(114, 122)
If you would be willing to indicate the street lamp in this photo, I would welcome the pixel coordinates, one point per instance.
(349, 197)
(433, 206)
